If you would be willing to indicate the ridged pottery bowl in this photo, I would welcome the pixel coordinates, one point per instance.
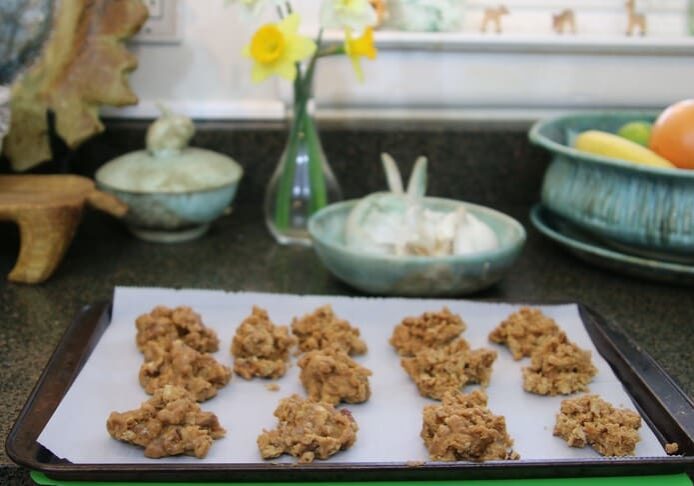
(635, 208)
(416, 275)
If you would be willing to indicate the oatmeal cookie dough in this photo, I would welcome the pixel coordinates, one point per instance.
(590, 420)
(168, 424)
(523, 331)
(557, 367)
(323, 328)
(462, 428)
(179, 364)
(165, 325)
(449, 368)
(429, 330)
(261, 348)
(308, 430)
(331, 376)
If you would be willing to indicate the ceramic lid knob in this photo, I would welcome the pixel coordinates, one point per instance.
(169, 134)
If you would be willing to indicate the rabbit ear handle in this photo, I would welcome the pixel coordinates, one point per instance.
(393, 176)
(416, 186)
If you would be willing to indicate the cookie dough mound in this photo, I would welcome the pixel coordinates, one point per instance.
(331, 376)
(449, 368)
(168, 424)
(590, 420)
(430, 330)
(308, 430)
(179, 364)
(462, 428)
(323, 329)
(558, 366)
(260, 348)
(523, 331)
(165, 325)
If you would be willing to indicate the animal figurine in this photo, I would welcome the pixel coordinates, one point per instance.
(563, 19)
(636, 20)
(494, 15)
(381, 11)
(170, 133)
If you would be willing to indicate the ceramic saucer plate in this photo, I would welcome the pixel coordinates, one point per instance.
(590, 250)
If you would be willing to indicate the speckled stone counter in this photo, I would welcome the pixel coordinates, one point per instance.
(491, 165)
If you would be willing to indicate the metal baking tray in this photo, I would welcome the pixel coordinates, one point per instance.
(668, 410)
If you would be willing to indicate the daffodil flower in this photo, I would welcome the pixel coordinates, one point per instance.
(348, 14)
(360, 47)
(276, 48)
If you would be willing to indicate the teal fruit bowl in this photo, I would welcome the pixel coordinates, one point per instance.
(636, 208)
(416, 275)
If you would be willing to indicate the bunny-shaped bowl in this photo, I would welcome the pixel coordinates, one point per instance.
(416, 275)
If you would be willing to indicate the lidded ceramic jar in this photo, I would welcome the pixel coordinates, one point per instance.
(173, 191)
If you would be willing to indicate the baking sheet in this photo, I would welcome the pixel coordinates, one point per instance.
(389, 422)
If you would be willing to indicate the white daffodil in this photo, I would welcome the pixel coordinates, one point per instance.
(253, 8)
(348, 14)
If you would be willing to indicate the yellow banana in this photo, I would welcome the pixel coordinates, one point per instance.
(611, 145)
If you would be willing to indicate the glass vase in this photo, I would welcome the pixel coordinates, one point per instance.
(302, 183)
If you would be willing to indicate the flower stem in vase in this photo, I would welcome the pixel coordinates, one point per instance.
(319, 197)
(303, 182)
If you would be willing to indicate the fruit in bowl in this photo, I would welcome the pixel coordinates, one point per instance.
(635, 208)
(609, 145)
(637, 131)
(668, 142)
(672, 136)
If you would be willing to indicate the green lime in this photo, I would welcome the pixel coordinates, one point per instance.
(636, 131)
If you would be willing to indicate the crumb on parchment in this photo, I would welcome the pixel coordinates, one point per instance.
(672, 448)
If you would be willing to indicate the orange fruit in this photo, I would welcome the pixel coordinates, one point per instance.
(672, 136)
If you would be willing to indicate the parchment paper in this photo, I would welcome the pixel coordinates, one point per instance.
(389, 423)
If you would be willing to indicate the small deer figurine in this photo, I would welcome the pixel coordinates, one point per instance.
(562, 19)
(636, 20)
(494, 15)
(381, 11)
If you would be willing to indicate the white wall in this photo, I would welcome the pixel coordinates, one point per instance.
(526, 72)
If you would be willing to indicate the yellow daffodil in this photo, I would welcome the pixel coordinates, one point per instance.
(276, 48)
(348, 14)
(360, 47)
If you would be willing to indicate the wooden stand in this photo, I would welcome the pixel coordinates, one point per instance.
(47, 209)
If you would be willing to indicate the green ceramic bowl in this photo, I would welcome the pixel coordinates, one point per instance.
(635, 208)
(170, 216)
(416, 275)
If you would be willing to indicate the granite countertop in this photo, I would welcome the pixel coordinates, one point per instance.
(494, 166)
